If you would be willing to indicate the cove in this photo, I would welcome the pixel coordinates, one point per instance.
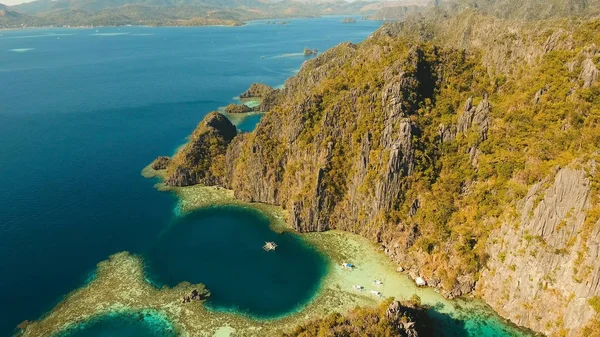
(222, 247)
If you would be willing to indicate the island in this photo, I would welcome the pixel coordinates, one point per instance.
(237, 108)
(282, 22)
(308, 51)
(348, 20)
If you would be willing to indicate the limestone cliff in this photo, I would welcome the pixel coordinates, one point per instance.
(548, 258)
(440, 147)
(201, 160)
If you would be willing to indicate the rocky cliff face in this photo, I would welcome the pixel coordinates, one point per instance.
(548, 257)
(430, 150)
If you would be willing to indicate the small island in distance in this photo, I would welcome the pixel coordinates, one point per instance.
(348, 20)
(308, 51)
(282, 22)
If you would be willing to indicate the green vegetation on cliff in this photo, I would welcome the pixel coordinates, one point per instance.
(433, 138)
(202, 159)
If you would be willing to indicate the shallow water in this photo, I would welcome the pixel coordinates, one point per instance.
(123, 325)
(222, 248)
(82, 114)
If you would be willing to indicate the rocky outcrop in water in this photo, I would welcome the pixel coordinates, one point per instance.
(237, 109)
(257, 90)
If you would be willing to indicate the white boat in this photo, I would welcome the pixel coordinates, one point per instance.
(377, 282)
(376, 293)
(357, 287)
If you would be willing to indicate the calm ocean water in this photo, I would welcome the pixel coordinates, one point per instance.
(82, 111)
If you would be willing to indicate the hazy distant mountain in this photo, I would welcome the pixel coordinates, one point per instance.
(98, 5)
(7, 12)
(173, 12)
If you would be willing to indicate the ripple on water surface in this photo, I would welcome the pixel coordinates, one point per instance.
(222, 248)
(144, 324)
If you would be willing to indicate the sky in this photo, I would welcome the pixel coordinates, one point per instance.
(13, 2)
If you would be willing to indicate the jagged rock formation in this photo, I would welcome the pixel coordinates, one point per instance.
(201, 161)
(548, 258)
(237, 108)
(424, 141)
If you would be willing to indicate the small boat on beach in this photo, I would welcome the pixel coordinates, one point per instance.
(347, 265)
(358, 287)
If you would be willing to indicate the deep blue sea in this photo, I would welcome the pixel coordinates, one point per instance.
(82, 111)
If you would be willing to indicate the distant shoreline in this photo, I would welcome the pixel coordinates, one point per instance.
(241, 23)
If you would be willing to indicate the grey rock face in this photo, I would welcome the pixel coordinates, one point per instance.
(589, 73)
(544, 267)
(446, 133)
(475, 116)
